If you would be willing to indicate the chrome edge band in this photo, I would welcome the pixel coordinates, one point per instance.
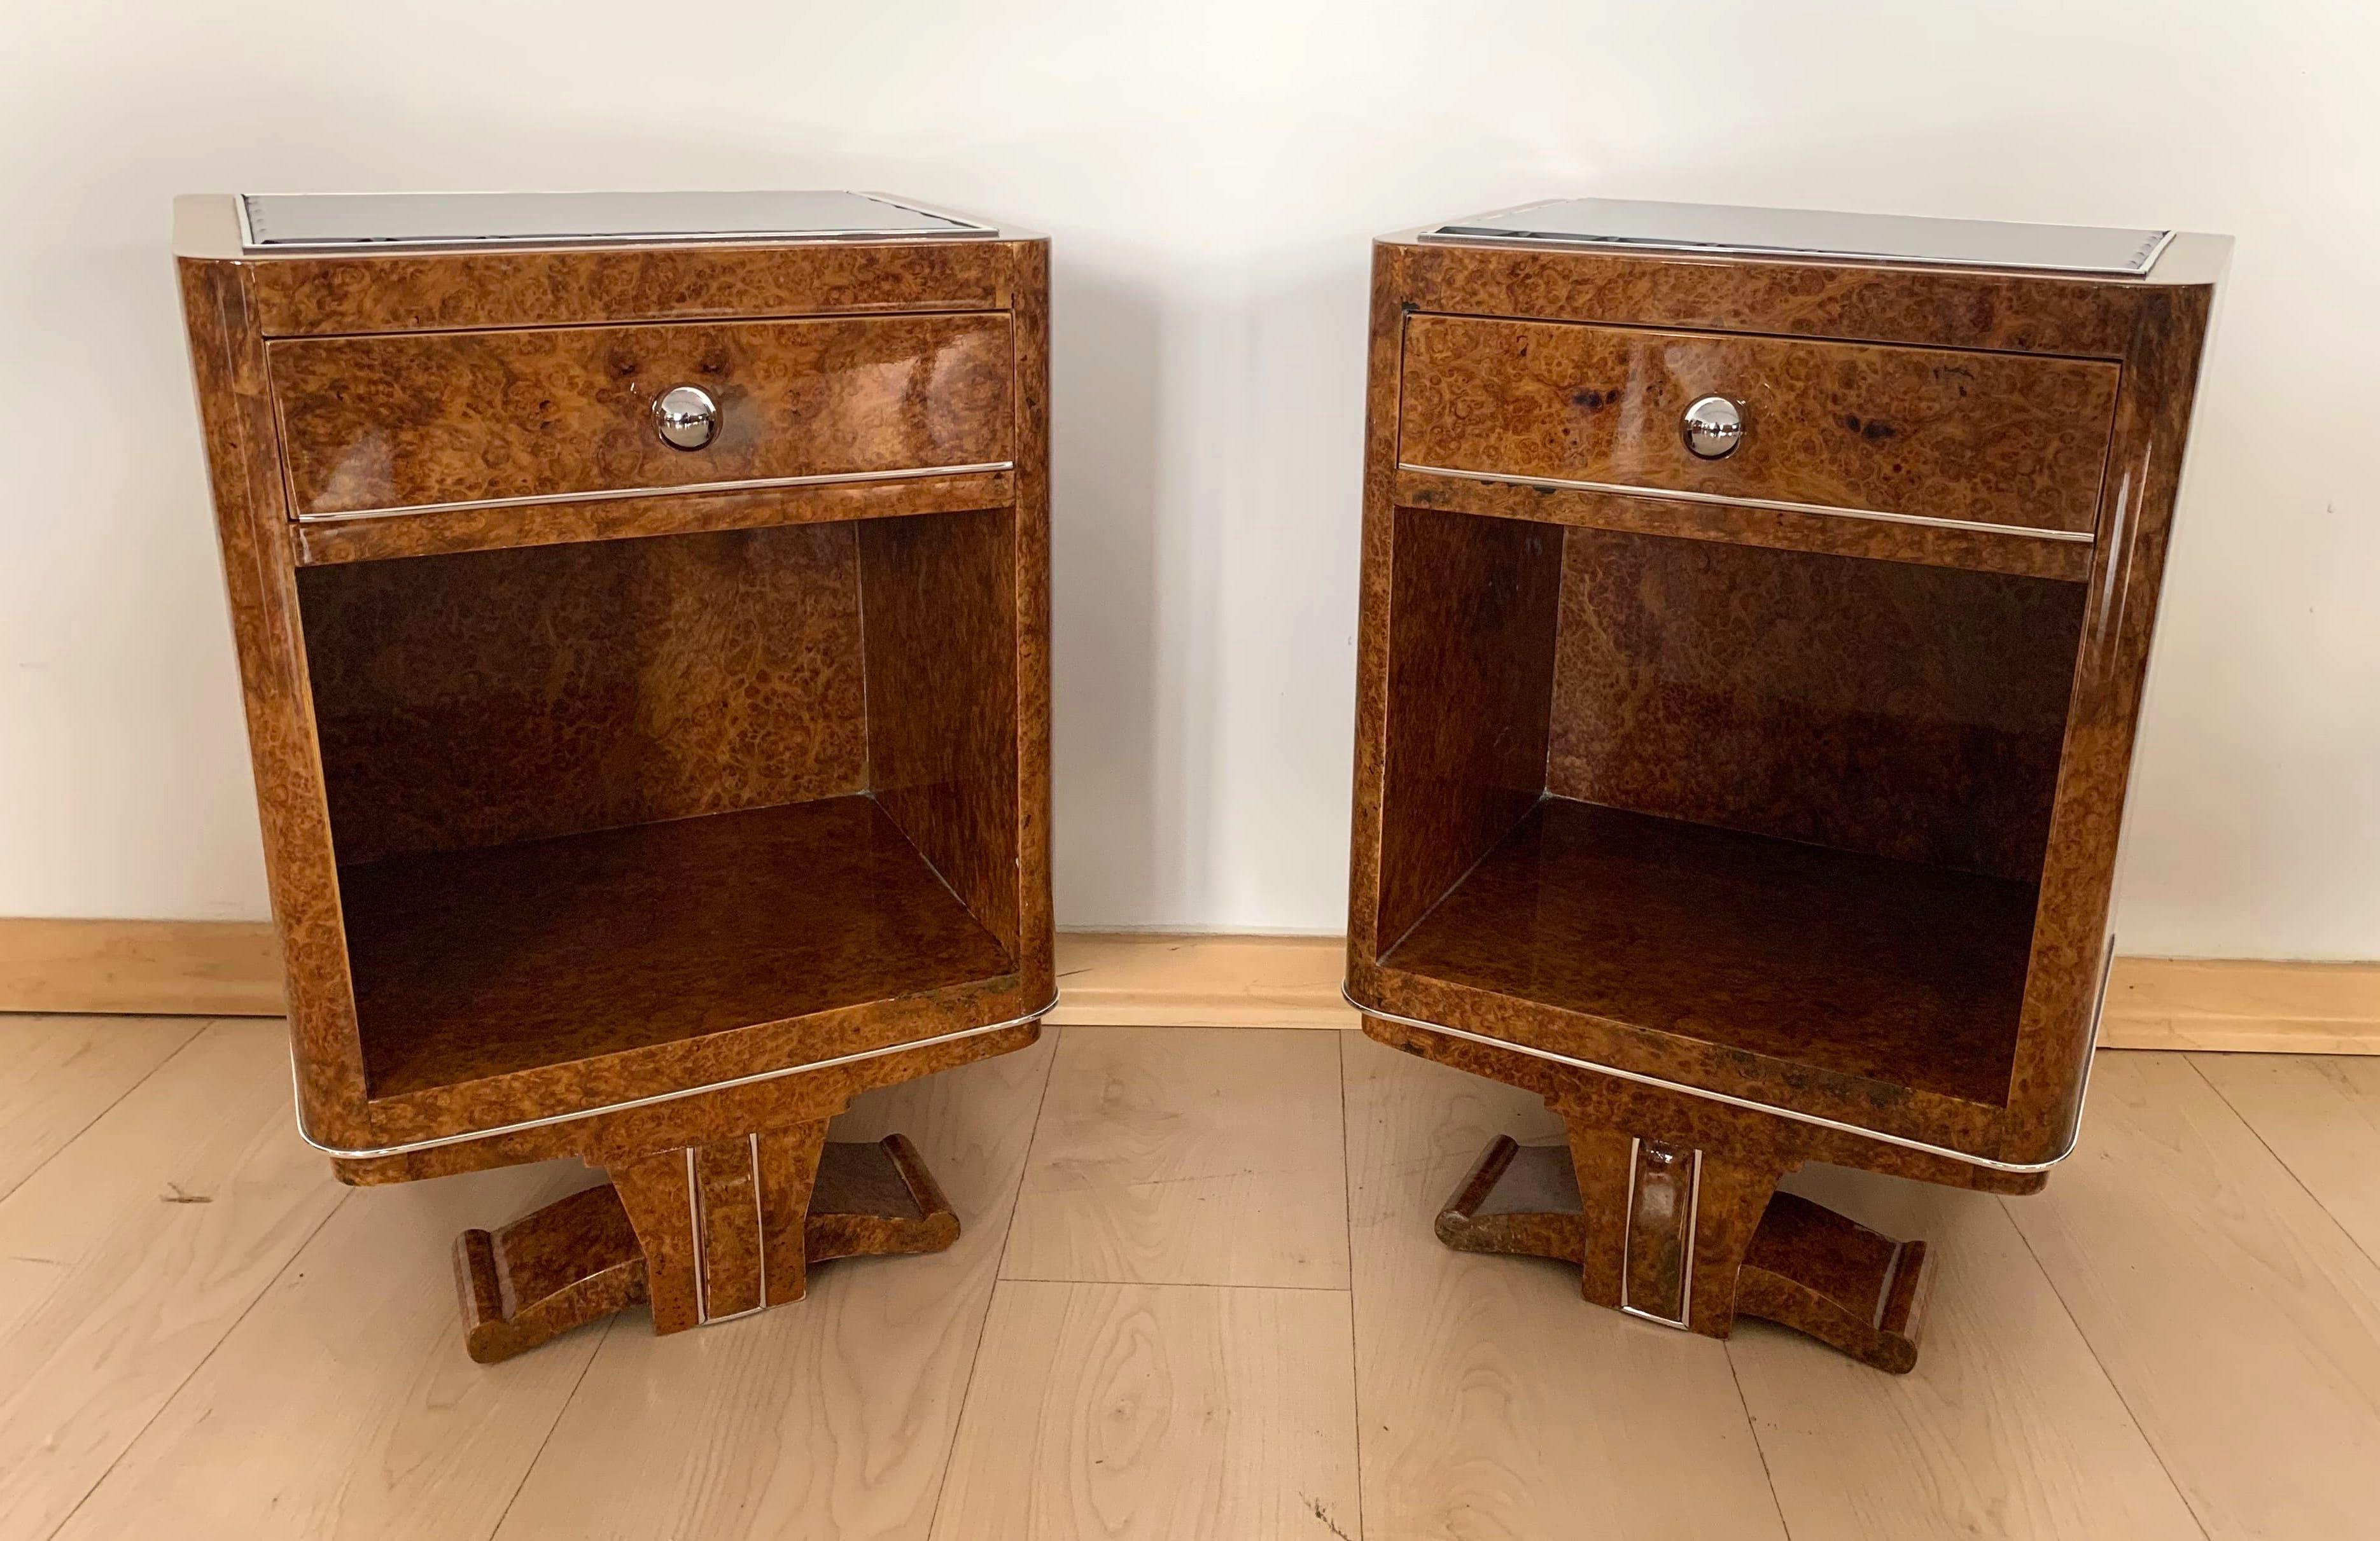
(695, 1213)
(250, 246)
(345, 1154)
(1774, 505)
(2106, 969)
(1682, 1321)
(1525, 240)
(617, 494)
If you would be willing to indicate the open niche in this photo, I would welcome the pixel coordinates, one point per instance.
(592, 797)
(1782, 802)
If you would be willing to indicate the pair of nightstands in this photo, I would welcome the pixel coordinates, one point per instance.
(643, 614)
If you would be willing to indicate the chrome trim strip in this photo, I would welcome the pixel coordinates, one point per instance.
(617, 494)
(694, 1234)
(2106, 969)
(1884, 1293)
(1460, 234)
(695, 1209)
(1774, 505)
(362, 1154)
(963, 229)
(969, 224)
(1627, 1234)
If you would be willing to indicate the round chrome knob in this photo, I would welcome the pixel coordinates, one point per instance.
(1713, 427)
(686, 417)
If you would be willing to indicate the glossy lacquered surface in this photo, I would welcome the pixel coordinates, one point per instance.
(574, 669)
(1754, 806)
(1957, 695)
(404, 423)
(1930, 433)
(1888, 708)
(505, 695)
(1888, 971)
(620, 799)
(480, 963)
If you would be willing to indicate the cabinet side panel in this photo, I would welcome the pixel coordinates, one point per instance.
(1378, 509)
(1029, 324)
(227, 358)
(940, 597)
(1471, 664)
(2153, 414)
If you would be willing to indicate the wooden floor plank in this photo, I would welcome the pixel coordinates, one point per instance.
(1496, 1402)
(57, 1073)
(2238, 1319)
(2007, 1429)
(344, 1403)
(126, 1258)
(829, 1417)
(2320, 1115)
(1187, 1156)
(1157, 1413)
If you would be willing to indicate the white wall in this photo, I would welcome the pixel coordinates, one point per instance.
(1210, 175)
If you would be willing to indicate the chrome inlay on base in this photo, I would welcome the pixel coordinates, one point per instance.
(618, 494)
(1628, 1232)
(1884, 1291)
(360, 1154)
(2091, 1055)
(1776, 505)
(694, 1212)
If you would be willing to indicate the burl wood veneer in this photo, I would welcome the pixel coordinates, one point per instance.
(1757, 808)
(626, 800)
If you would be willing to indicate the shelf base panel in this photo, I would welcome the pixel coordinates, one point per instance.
(1691, 1239)
(701, 1233)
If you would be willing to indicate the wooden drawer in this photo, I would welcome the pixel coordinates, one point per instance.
(405, 423)
(1931, 434)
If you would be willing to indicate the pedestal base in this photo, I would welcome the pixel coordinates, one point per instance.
(705, 1233)
(1692, 1239)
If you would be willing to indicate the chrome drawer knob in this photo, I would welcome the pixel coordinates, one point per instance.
(1714, 427)
(686, 416)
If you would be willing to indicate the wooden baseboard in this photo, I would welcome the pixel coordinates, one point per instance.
(139, 967)
(219, 969)
(2243, 1004)
(1161, 979)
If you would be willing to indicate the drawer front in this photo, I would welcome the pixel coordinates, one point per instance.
(404, 423)
(1900, 432)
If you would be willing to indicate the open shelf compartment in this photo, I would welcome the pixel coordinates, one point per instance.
(593, 797)
(1789, 804)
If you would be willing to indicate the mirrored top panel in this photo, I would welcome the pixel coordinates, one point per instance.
(1711, 227)
(316, 220)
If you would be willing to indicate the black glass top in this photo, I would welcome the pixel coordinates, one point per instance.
(1709, 227)
(337, 220)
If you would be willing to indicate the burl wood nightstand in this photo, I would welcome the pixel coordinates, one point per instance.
(1756, 609)
(642, 606)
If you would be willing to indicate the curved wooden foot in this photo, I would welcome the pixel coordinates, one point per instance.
(547, 1272)
(1692, 1240)
(707, 1233)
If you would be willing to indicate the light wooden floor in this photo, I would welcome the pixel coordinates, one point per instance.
(1197, 1296)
